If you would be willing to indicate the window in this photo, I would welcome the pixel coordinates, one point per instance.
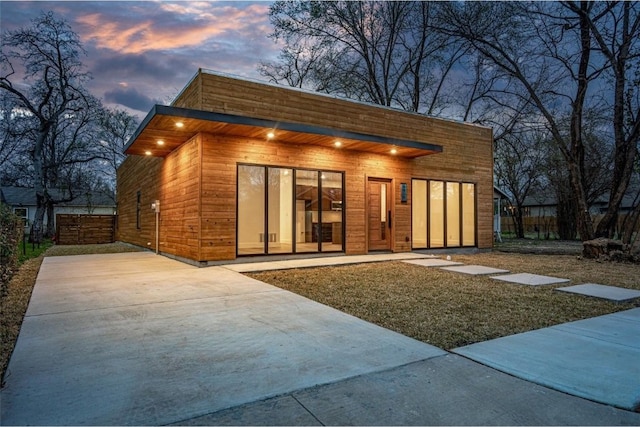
(453, 214)
(22, 213)
(468, 215)
(138, 206)
(436, 214)
(419, 213)
(443, 214)
(285, 210)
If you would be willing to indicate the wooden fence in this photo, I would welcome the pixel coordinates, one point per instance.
(546, 226)
(85, 229)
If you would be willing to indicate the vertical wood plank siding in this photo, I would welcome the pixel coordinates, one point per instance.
(196, 183)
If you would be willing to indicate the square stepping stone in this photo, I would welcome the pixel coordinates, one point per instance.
(475, 269)
(432, 262)
(611, 293)
(530, 279)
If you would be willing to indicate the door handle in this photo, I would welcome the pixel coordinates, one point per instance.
(389, 216)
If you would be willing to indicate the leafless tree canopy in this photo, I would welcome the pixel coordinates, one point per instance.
(51, 127)
(554, 69)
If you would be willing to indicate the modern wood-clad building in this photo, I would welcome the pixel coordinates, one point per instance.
(242, 168)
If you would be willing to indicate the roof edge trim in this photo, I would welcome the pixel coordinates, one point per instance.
(265, 123)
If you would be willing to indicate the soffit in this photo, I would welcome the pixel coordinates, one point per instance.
(160, 124)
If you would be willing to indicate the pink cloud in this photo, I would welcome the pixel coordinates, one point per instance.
(178, 25)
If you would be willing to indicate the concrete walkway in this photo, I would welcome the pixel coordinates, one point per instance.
(139, 339)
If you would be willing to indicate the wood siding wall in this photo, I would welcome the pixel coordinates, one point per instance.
(135, 174)
(196, 183)
(198, 193)
(212, 92)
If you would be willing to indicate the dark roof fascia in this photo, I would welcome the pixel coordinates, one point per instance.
(272, 124)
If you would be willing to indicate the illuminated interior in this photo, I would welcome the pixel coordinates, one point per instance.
(443, 214)
(276, 204)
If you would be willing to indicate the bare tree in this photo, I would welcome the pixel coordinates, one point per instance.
(615, 28)
(115, 128)
(518, 168)
(546, 53)
(53, 97)
(380, 52)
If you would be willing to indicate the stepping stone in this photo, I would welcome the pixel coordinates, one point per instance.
(611, 293)
(432, 262)
(530, 279)
(475, 269)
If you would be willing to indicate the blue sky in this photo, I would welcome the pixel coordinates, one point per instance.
(144, 52)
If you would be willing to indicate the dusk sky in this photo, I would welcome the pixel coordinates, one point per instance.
(142, 53)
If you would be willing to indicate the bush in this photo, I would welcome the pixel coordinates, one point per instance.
(11, 229)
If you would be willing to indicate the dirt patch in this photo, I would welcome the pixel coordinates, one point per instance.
(14, 305)
(542, 247)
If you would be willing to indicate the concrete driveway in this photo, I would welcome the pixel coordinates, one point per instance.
(139, 339)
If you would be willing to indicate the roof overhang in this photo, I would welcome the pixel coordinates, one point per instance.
(161, 124)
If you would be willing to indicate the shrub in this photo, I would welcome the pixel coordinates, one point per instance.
(11, 229)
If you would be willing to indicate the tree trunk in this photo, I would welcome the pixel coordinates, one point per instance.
(566, 214)
(50, 231)
(518, 223)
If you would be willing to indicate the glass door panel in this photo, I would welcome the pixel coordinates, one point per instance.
(251, 210)
(280, 211)
(308, 227)
(331, 214)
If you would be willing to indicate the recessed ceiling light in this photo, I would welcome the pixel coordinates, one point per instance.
(394, 151)
(271, 135)
(338, 144)
(160, 142)
(179, 124)
(148, 153)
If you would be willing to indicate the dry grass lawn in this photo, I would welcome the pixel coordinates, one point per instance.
(449, 309)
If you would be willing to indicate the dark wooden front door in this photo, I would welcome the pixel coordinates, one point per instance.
(379, 219)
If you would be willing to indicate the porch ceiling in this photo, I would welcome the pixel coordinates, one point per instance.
(161, 124)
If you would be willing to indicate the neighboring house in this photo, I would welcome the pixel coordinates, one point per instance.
(243, 168)
(23, 203)
(539, 205)
(545, 205)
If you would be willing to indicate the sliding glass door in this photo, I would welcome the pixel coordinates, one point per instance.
(284, 210)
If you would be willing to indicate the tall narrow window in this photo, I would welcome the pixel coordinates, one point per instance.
(436, 214)
(468, 215)
(252, 239)
(453, 214)
(419, 213)
(449, 209)
(138, 206)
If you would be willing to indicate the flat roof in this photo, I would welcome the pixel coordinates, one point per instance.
(161, 124)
